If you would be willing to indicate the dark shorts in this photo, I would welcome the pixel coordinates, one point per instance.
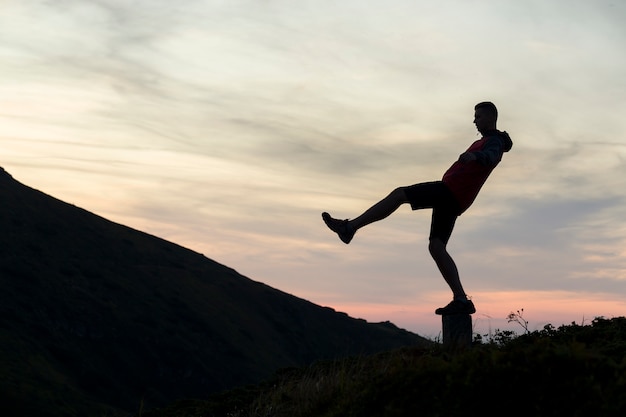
(437, 196)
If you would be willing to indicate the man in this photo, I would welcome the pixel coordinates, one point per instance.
(448, 198)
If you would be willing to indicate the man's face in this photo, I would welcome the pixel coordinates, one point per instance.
(484, 120)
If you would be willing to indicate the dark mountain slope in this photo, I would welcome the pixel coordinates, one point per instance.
(93, 313)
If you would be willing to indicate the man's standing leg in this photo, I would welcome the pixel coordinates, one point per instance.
(447, 267)
(441, 229)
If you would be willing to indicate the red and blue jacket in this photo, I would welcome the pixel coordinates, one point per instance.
(465, 179)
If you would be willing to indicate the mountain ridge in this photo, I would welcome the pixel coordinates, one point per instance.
(97, 315)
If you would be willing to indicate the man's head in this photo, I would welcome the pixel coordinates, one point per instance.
(485, 116)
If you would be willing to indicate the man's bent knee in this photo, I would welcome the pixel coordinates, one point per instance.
(436, 247)
(399, 194)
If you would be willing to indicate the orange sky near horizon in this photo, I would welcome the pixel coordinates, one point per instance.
(492, 309)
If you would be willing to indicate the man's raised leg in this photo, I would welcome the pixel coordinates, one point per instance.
(347, 228)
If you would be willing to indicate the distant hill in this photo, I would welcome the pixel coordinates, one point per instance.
(97, 317)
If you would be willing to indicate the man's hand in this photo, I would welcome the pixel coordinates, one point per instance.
(467, 157)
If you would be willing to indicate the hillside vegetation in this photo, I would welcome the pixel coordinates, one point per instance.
(573, 370)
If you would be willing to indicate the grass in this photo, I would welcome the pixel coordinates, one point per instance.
(573, 370)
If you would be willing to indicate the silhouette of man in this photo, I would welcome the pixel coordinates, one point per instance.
(447, 198)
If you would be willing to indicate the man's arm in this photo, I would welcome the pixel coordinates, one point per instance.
(491, 154)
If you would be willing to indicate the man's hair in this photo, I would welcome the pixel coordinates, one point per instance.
(489, 106)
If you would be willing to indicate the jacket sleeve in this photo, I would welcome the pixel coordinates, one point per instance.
(491, 153)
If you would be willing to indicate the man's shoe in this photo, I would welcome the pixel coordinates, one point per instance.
(457, 307)
(341, 227)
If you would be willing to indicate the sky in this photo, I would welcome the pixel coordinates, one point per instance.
(227, 127)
